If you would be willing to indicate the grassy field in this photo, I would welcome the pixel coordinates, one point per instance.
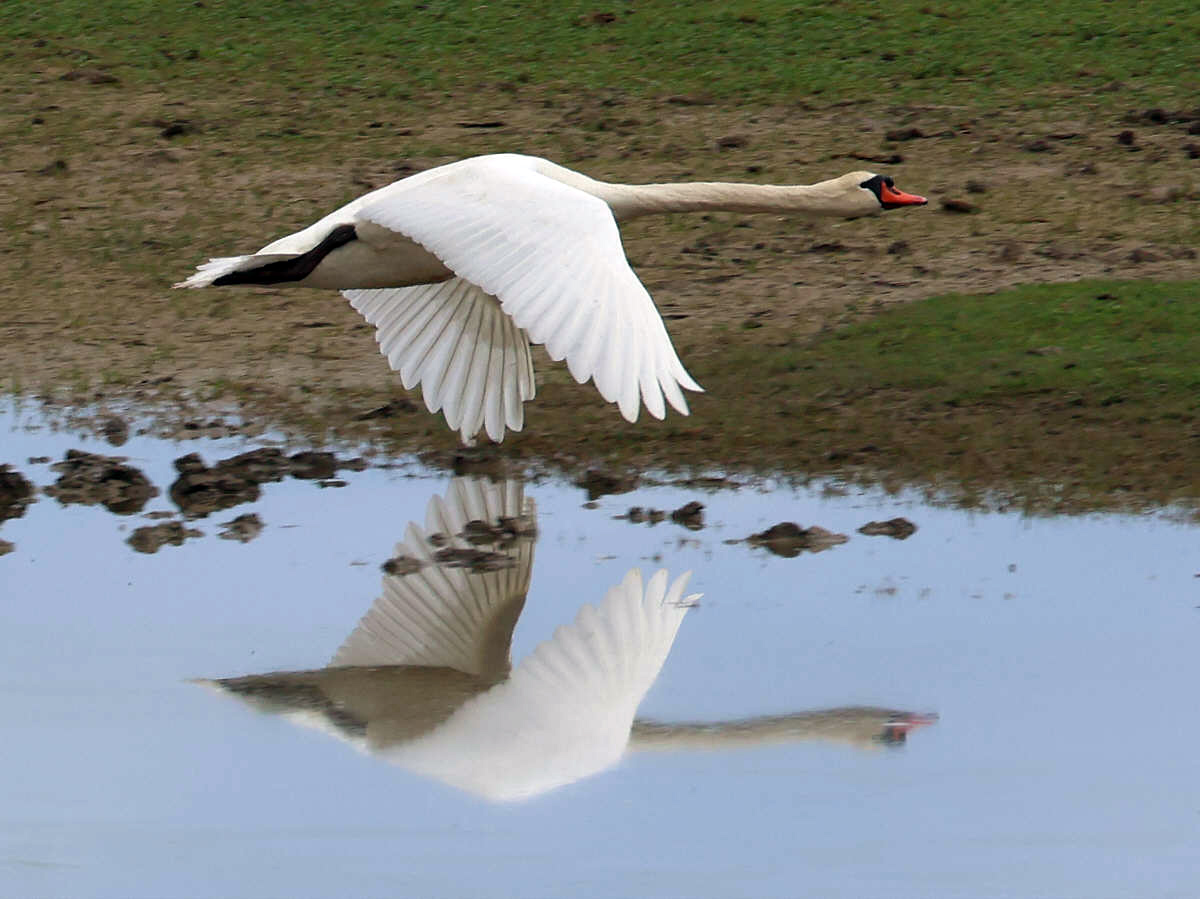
(778, 52)
(1057, 361)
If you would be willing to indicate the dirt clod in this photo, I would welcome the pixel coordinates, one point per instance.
(477, 560)
(91, 76)
(896, 528)
(788, 539)
(16, 493)
(599, 483)
(313, 466)
(952, 204)
(899, 135)
(152, 537)
(115, 430)
(90, 479)
(243, 529)
(398, 566)
(6, 547)
(690, 515)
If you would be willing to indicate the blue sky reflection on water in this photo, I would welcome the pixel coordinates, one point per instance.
(1059, 653)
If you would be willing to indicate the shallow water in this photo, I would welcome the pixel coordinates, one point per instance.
(1059, 653)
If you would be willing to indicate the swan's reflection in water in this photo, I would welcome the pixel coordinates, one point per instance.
(425, 679)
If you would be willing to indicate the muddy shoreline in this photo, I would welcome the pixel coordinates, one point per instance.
(106, 212)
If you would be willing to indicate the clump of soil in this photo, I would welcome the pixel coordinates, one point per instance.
(690, 515)
(475, 559)
(16, 493)
(115, 430)
(200, 490)
(637, 515)
(313, 466)
(90, 479)
(788, 539)
(6, 547)
(504, 532)
(243, 529)
(399, 566)
(599, 483)
(152, 537)
(896, 528)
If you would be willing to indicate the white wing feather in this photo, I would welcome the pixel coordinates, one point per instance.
(567, 710)
(471, 359)
(552, 255)
(441, 616)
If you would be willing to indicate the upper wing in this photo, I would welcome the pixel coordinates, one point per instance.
(567, 710)
(470, 358)
(442, 616)
(552, 255)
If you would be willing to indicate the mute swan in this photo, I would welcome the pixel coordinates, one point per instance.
(425, 680)
(461, 267)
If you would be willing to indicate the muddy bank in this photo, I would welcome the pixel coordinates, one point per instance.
(1020, 195)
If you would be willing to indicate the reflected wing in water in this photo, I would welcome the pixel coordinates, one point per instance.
(567, 710)
(425, 679)
(459, 607)
(435, 637)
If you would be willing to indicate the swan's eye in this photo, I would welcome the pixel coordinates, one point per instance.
(889, 181)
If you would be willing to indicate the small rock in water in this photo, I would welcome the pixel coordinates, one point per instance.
(789, 539)
(150, 538)
(16, 493)
(244, 528)
(115, 430)
(90, 479)
(601, 483)
(313, 466)
(477, 560)
(6, 547)
(690, 515)
(897, 528)
(401, 565)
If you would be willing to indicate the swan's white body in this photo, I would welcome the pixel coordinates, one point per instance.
(462, 266)
(425, 680)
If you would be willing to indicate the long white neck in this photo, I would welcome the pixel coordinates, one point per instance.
(863, 726)
(629, 201)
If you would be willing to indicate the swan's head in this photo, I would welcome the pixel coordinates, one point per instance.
(869, 193)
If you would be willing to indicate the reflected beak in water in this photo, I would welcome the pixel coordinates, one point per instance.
(896, 731)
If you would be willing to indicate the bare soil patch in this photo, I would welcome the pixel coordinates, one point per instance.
(111, 192)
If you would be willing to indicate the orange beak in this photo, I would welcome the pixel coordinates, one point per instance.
(889, 197)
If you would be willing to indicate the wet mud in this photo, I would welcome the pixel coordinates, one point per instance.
(201, 490)
(91, 479)
(896, 528)
(16, 493)
(788, 539)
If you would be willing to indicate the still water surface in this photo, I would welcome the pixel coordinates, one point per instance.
(1060, 655)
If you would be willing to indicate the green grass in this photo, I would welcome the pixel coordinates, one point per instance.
(913, 51)
(1067, 396)
(1096, 342)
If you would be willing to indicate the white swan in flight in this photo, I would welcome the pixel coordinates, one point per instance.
(461, 267)
(425, 680)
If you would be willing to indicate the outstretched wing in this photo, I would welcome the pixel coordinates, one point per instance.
(442, 616)
(567, 710)
(470, 358)
(552, 255)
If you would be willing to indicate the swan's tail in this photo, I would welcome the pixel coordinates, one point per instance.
(210, 271)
